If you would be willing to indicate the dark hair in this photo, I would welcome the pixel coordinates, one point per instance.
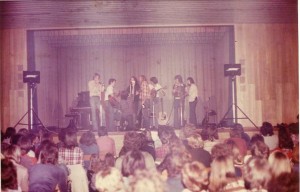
(154, 80)
(285, 182)
(102, 131)
(109, 160)
(259, 149)
(25, 144)
(179, 78)
(23, 131)
(256, 137)
(132, 161)
(111, 80)
(165, 134)
(49, 154)
(15, 138)
(221, 149)
(132, 140)
(266, 129)
(143, 77)
(70, 139)
(87, 138)
(285, 140)
(96, 75)
(191, 80)
(10, 131)
(8, 175)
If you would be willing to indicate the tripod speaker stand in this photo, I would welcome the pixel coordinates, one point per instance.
(32, 78)
(233, 70)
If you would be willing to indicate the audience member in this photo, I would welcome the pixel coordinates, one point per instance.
(148, 143)
(279, 163)
(245, 136)
(7, 136)
(257, 174)
(9, 181)
(105, 143)
(194, 177)
(195, 147)
(144, 180)
(13, 153)
(109, 179)
(72, 156)
(88, 145)
(132, 161)
(222, 175)
(269, 137)
(47, 175)
(28, 158)
(288, 182)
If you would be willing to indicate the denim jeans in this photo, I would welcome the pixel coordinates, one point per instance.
(178, 113)
(192, 116)
(95, 104)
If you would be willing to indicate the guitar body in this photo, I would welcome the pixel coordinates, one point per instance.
(162, 118)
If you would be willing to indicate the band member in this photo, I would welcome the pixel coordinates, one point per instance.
(95, 89)
(144, 101)
(192, 91)
(134, 96)
(110, 102)
(155, 92)
(179, 95)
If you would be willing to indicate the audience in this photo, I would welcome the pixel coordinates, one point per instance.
(197, 162)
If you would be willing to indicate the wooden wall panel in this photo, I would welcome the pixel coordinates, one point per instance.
(13, 91)
(270, 55)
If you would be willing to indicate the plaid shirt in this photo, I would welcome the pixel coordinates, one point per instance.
(70, 156)
(145, 91)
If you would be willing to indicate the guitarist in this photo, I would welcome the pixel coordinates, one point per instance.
(155, 93)
(110, 101)
(179, 96)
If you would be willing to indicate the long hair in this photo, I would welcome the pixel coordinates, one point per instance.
(8, 175)
(179, 78)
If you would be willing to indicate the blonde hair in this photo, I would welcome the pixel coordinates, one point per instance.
(194, 176)
(109, 179)
(146, 180)
(279, 163)
(195, 141)
(222, 172)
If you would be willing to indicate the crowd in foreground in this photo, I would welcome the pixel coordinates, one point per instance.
(195, 160)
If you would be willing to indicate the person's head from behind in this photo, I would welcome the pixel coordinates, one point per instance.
(87, 138)
(235, 133)
(102, 131)
(266, 129)
(144, 180)
(8, 175)
(132, 161)
(109, 179)
(49, 154)
(222, 171)
(194, 176)
(176, 160)
(195, 141)
(279, 163)
(221, 149)
(259, 149)
(132, 140)
(23, 131)
(13, 152)
(70, 139)
(256, 173)
(109, 160)
(25, 144)
(238, 158)
(256, 137)
(165, 134)
(10, 131)
(284, 137)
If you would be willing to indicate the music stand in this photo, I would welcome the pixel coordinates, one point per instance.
(233, 70)
(32, 78)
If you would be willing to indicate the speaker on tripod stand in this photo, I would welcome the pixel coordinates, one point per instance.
(32, 78)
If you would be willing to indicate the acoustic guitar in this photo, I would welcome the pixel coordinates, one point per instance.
(162, 116)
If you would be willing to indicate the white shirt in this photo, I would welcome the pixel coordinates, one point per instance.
(95, 89)
(109, 91)
(193, 92)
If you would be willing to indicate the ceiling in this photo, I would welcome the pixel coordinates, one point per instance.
(95, 14)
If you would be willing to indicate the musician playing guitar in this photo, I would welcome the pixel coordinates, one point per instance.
(157, 92)
(179, 96)
(109, 100)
